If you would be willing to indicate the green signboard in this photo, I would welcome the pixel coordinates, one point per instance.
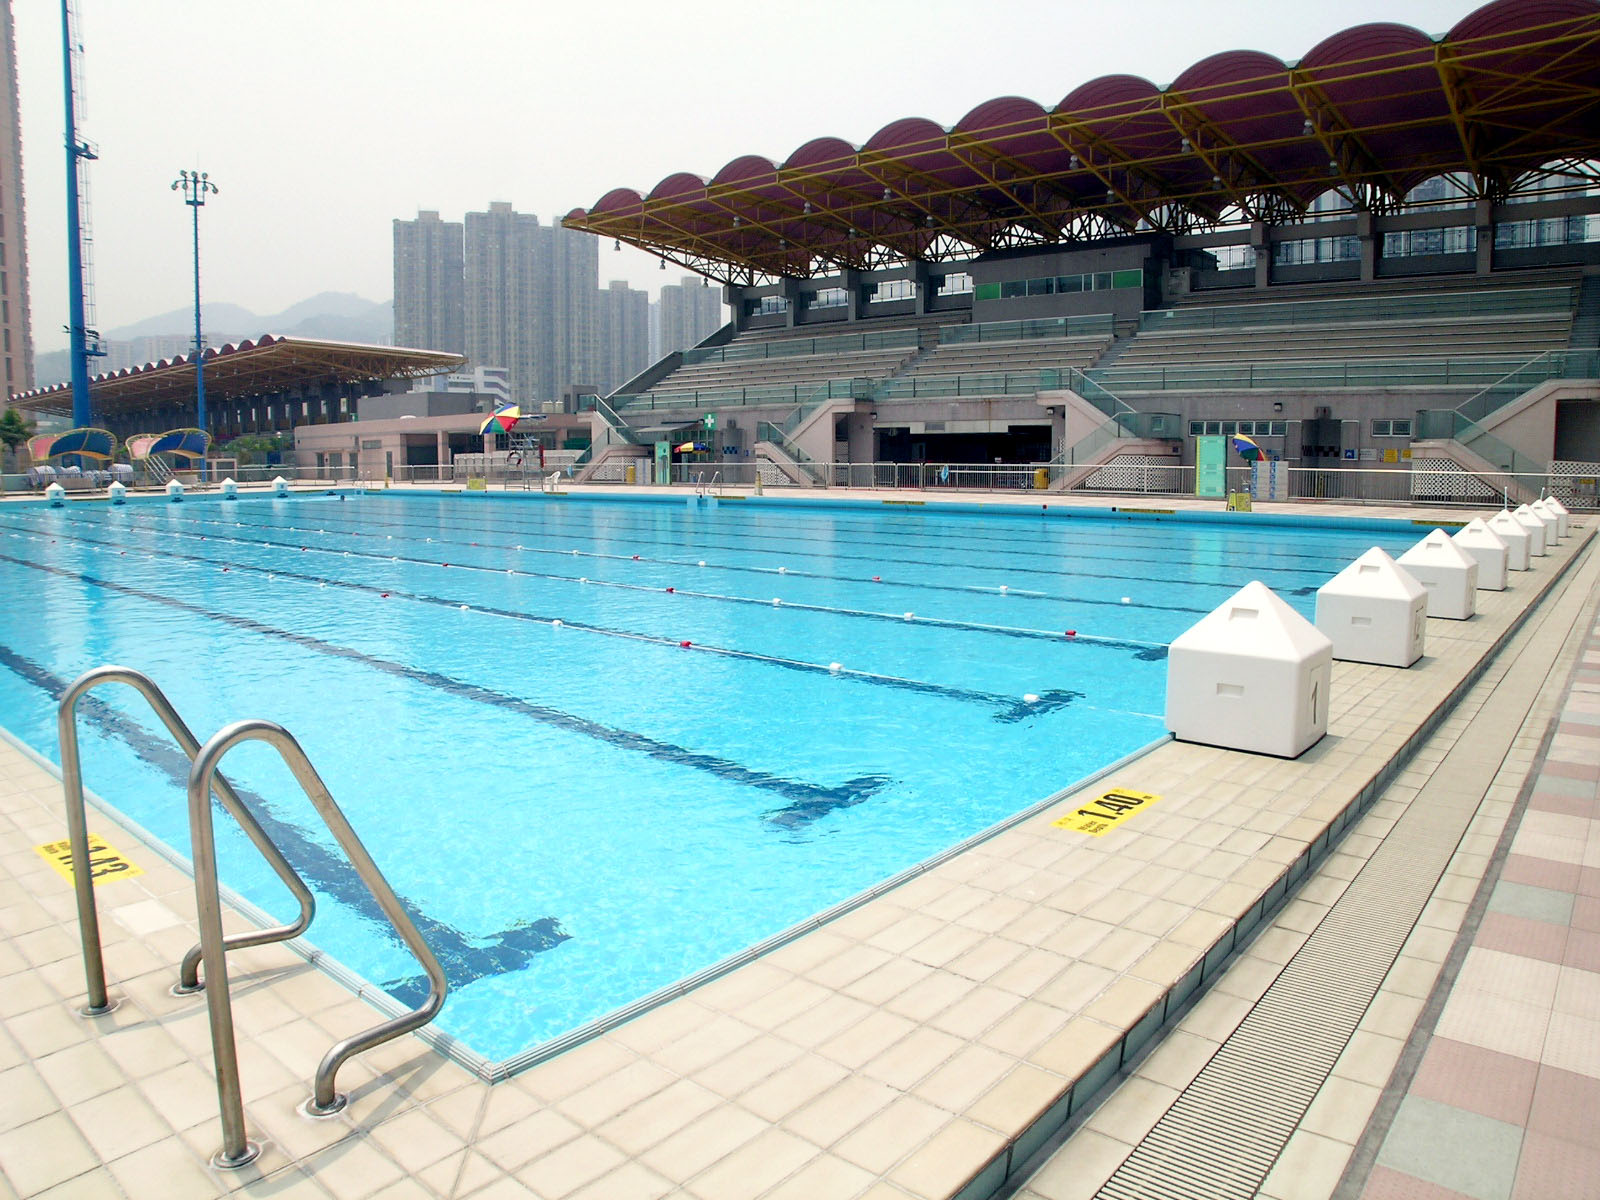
(1211, 467)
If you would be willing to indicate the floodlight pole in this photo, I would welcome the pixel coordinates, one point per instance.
(195, 185)
(77, 332)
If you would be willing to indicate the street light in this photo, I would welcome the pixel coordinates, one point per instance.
(195, 185)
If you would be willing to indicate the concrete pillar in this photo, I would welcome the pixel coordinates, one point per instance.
(791, 293)
(441, 441)
(850, 281)
(1263, 248)
(1366, 231)
(919, 277)
(1483, 218)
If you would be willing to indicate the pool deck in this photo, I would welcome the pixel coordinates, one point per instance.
(1045, 1015)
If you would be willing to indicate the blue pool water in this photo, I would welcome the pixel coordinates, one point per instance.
(584, 812)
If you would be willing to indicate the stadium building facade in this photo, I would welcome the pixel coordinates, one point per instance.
(1386, 253)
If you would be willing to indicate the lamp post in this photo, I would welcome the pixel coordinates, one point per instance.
(195, 185)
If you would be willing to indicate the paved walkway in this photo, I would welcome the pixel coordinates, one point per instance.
(1474, 1070)
(927, 1044)
(1505, 1100)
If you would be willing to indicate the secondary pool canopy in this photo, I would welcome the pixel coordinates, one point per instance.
(87, 442)
(261, 366)
(1512, 89)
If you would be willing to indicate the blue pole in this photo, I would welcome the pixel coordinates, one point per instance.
(75, 327)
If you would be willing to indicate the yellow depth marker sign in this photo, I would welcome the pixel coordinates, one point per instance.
(1100, 815)
(105, 864)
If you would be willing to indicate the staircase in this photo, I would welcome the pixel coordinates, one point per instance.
(1586, 317)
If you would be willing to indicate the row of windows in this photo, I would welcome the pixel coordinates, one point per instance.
(1248, 428)
(829, 298)
(894, 289)
(1456, 239)
(1390, 427)
(1057, 285)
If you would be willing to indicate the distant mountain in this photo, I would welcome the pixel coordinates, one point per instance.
(336, 316)
(180, 321)
(340, 309)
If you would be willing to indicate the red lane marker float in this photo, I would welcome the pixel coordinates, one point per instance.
(685, 645)
(385, 595)
(635, 558)
(672, 589)
(224, 569)
(877, 579)
(1072, 633)
(444, 564)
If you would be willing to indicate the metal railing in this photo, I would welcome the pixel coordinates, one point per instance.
(325, 1100)
(77, 834)
(1308, 373)
(1090, 325)
(1552, 364)
(1485, 302)
(738, 397)
(798, 347)
(996, 383)
(205, 781)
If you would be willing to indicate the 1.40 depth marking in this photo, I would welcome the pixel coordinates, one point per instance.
(1110, 809)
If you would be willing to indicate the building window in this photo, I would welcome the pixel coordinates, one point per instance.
(1459, 239)
(893, 289)
(1392, 428)
(955, 285)
(1094, 281)
(829, 298)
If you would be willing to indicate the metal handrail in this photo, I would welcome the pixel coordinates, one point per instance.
(237, 1150)
(78, 835)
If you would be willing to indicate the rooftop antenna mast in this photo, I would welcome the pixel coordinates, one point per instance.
(85, 341)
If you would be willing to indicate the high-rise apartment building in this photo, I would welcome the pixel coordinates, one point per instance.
(690, 312)
(16, 334)
(569, 279)
(505, 291)
(428, 311)
(624, 335)
(505, 326)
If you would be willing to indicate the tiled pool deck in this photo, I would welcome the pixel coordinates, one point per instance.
(955, 1036)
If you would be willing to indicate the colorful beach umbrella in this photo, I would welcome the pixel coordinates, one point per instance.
(502, 420)
(1248, 448)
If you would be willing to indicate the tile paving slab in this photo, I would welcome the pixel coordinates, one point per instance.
(885, 1064)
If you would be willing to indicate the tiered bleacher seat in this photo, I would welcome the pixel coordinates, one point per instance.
(1431, 335)
(1034, 354)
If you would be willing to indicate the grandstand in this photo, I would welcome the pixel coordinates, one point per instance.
(1367, 261)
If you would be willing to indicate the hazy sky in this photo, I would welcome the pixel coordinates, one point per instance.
(323, 120)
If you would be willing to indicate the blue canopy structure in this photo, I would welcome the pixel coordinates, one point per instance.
(185, 443)
(89, 442)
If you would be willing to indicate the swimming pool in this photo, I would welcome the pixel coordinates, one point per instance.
(599, 746)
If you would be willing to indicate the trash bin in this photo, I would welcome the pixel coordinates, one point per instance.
(1041, 479)
(631, 475)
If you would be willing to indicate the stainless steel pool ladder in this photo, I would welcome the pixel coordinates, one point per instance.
(205, 779)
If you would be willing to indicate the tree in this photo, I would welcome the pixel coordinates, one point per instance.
(255, 447)
(15, 429)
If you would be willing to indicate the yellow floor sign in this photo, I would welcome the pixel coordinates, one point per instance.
(1106, 811)
(105, 864)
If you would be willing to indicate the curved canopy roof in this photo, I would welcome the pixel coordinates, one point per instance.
(248, 368)
(1371, 111)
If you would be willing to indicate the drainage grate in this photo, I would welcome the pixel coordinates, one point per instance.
(1223, 1134)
